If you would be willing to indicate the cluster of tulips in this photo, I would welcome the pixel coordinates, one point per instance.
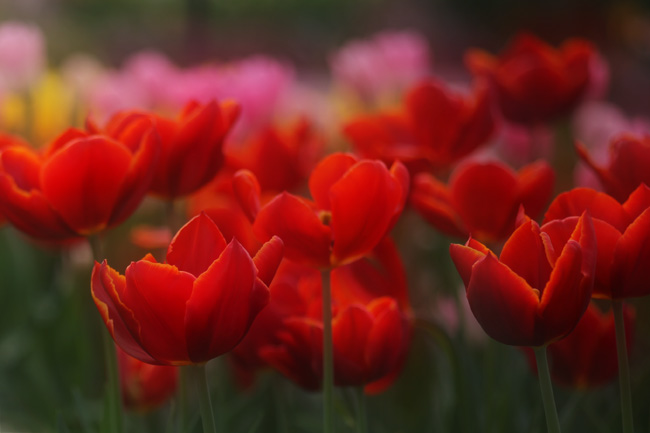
(276, 249)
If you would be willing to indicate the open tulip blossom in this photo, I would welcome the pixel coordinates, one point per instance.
(193, 308)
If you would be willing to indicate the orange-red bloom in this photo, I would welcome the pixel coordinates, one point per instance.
(622, 232)
(355, 203)
(482, 199)
(193, 308)
(280, 158)
(145, 386)
(534, 82)
(629, 159)
(79, 185)
(371, 324)
(191, 146)
(436, 128)
(587, 356)
(539, 287)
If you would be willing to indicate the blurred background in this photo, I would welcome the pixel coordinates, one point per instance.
(306, 32)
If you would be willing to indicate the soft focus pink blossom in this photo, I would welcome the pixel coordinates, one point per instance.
(22, 55)
(595, 124)
(115, 92)
(153, 73)
(386, 63)
(148, 80)
(520, 145)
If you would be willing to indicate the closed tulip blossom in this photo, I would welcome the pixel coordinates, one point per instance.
(196, 306)
(535, 292)
(80, 184)
(483, 199)
(355, 203)
(626, 167)
(191, 146)
(534, 82)
(435, 128)
(145, 386)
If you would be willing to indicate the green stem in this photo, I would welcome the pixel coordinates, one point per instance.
(564, 156)
(552, 420)
(181, 401)
(112, 375)
(328, 356)
(113, 385)
(197, 375)
(362, 411)
(173, 216)
(623, 367)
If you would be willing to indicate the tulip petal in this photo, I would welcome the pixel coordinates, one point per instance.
(328, 172)
(247, 192)
(437, 117)
(23, 203)
(632, 260)
(196, 245)
(350, 331)
(565, 297)
(139, 176)
(364, 204)
(388, 339)
(485, 197)
(306, 239)
(268, 259)
(300, 354)
(432, 200)
(464, 257)
(157, 294)
(502, 302)
(106, 287)
(82, 181)
(638, 201)
(225, 301)
(526, 255)
(535, 187)
(600, 205)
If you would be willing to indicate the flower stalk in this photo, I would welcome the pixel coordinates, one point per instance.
(552, 420)
(328, 356)
(623, 367)
(198, 377)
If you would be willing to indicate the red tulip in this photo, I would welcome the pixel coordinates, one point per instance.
(587, 356)
(482, 199)
(534, 82)
(629, 159)
(145, 386)
(191, 146)
(622, 232)
(219, 201)
(436, 128)
(79, 185)
(7, 141)
(538, 289)
(193, 308)
(355, 203)
(280, 158)
(371, 324)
